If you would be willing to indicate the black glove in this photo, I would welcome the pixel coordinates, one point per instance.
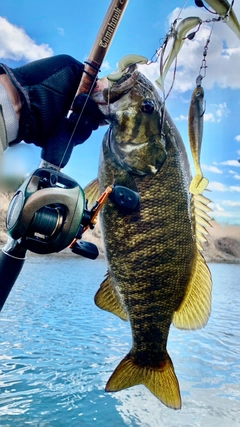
(72, 131)
(85, 118)
(88, 108)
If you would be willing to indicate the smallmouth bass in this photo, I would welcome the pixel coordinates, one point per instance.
(156, 272)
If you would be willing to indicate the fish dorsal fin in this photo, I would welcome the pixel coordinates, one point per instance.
(200, 209)
(194, 311)
(107, 299)
(92, 192)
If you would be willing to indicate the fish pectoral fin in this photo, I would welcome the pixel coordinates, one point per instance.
(162, 381)
(194, 311)
(92, 192)
(107, 299)
(198, 184)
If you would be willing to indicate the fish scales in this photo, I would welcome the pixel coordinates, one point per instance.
(151, 245)
(153, 261)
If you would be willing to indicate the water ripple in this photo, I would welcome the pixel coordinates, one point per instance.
(57, 351)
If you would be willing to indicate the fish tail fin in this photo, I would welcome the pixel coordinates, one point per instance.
(161, 381)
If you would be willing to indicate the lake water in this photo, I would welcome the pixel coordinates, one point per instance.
(57, 351)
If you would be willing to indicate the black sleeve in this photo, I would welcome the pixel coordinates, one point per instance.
(48, 87)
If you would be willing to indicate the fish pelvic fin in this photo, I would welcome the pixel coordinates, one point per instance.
(162, 381)
(107, 299)
(92, 192)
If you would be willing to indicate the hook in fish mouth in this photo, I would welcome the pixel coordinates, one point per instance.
(110, 88)
(124, 78)
(116, 90)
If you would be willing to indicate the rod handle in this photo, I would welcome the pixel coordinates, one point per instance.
(10, 268)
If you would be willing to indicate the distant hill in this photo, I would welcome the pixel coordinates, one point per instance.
(223, 243)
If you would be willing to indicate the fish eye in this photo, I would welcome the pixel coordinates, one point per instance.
(147, 106)
(199, 93)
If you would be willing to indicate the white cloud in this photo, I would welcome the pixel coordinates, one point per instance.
(211, 168)
(217, 186)
(231, 203)
(221, 111)
(181, 118)
(236, 176)
(222, 60)
(224, 215)
(61, 31)
(105, 66)
(231, 163)
(237, 138)
(209, 117)
(226, 210)
(217, 207)
(234, 188)
(15, 44)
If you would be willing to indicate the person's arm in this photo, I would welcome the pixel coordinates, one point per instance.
(47, 88)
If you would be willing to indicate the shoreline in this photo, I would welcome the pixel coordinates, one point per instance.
(222, 245)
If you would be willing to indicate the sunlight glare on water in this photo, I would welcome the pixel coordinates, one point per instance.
(57, 351)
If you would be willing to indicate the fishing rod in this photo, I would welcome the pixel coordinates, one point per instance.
(49, 210)
(101, 46)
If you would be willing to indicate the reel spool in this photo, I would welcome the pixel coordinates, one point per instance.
(46, 212)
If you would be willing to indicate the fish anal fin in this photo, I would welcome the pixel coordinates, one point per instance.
(162, 381)
(92, 192)
(107, 299)
(194, 311)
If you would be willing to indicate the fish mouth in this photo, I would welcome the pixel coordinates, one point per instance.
(108, 93)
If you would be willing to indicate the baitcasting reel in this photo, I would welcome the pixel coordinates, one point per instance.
(48, 212)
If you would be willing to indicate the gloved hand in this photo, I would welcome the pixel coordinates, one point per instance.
(72, 131)
(85, 118)
(89, 109)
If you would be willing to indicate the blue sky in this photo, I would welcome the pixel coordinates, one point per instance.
(31, 30)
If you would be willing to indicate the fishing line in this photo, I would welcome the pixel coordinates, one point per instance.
(160, 56)
(203, 66)
(199, 3)
(95, 78)
(160, 52)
